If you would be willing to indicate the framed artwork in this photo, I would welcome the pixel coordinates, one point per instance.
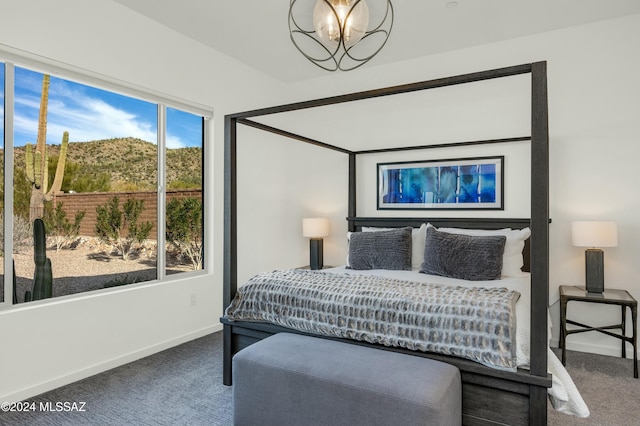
(465, 183)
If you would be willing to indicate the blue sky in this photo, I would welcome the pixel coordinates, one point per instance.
(88, 114)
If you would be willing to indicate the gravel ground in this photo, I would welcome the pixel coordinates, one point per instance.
(90, 265)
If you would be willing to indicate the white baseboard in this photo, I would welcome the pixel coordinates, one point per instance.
(74, 376)
(595, 349)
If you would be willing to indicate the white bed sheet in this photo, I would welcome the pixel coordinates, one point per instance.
(563, 394)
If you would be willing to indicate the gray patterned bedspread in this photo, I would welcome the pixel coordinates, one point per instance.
(468, 322)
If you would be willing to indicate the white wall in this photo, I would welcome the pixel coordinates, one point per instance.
(281, 181)
(594, 143)
(50, 343)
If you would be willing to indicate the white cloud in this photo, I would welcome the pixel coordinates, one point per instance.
(85, 118)
(174, 142)
(99, 120)
(90, 114)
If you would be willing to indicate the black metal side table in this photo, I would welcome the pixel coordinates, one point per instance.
(609, 297)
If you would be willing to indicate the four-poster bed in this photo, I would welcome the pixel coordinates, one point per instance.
(490, 396)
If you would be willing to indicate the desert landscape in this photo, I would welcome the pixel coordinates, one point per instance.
(88, 264)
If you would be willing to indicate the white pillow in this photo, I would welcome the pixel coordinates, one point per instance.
(512, 260)
(418, 237)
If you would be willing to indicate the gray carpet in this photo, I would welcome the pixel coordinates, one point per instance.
(179, 386)
(608, 388)
(183, 386)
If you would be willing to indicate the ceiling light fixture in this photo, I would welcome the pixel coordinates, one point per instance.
(340, 34)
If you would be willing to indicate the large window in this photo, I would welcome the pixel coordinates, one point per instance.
(116, 181)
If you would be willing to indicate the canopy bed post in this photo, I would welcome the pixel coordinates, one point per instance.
(540, 233)
(352, 189)
(230, 266)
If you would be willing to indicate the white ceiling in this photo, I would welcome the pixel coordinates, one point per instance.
(256, 33)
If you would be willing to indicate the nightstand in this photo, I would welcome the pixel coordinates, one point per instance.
(621, 298)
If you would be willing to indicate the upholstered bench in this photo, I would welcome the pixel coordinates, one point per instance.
(290, 379)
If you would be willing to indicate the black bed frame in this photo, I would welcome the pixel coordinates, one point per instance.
(490, 396)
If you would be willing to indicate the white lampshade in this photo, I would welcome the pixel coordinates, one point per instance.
(315, 227)
(594, 234)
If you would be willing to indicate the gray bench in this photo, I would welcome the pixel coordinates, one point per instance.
(290, 379)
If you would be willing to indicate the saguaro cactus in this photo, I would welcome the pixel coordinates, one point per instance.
(15, 293)
(42, 287)
(37, 163)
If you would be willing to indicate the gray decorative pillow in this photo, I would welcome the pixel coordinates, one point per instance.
(466, 257)
(381, 250)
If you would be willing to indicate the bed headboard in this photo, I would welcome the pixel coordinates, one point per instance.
(356, 224)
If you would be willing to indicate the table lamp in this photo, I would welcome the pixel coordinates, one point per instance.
(315, 228)
(594, 235)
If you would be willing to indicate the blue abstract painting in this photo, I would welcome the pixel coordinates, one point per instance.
(474, 183)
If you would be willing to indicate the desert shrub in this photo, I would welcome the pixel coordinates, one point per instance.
(59, 229)
(184, 228)
(183, 184)
(22, 233)
(111, 224)
(80, 178)
(21, 193)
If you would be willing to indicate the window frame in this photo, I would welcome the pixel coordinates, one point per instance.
(10, 59)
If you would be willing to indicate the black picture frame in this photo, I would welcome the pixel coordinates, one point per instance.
(444, 184)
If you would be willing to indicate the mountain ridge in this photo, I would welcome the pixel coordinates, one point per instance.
(131, 163)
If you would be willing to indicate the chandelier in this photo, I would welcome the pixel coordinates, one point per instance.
(340, 34)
